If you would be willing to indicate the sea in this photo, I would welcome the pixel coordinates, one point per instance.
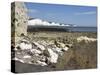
(83, 29)
(62, 28)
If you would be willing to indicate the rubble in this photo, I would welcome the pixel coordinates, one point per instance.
(65, 48)
(41, 63)
(39, 46)
(53, 56)
(86, 39)
(27, 56)
(39, 52)
(24, 46)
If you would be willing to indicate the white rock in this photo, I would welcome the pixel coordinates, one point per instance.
(65, 48)
(53, 56)
(43, 59)
(18, 53)
(15, 49)
(69, 45)
(36, 51)
(62, 45)
(39, 46)
(25, 46)
(41, 63)
(27, 56)
(24, 40)
(86, 39)
(17, 59)
(21, 61)
(58, 49)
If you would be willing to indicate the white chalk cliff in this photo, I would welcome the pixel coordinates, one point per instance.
(33, 22)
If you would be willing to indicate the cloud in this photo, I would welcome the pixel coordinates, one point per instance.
(86, 13)
(32, 11)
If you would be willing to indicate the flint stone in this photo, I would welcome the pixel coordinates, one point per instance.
(41, 47)
(35, 51)
(53, 56)
(24, 46)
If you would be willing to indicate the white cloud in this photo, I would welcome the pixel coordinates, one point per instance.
(86, 13)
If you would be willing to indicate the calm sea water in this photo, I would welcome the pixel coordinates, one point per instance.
(83, 29)
(62, 28)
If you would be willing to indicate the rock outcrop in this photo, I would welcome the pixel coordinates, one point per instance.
(19, 20)
(40, 52)
(86, 39)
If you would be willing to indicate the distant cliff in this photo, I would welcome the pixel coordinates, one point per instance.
(37, 21)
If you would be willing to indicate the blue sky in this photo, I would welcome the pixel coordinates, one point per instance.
(68, 14)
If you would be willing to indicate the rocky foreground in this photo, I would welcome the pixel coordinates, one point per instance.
(59, 52)
(39, 52)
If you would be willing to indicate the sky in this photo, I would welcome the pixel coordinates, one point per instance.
(67, 14)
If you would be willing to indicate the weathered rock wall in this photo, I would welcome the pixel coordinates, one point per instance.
(19, 20)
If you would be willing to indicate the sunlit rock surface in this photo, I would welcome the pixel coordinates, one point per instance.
(19, 20)
(86, 39)
(38, 52)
